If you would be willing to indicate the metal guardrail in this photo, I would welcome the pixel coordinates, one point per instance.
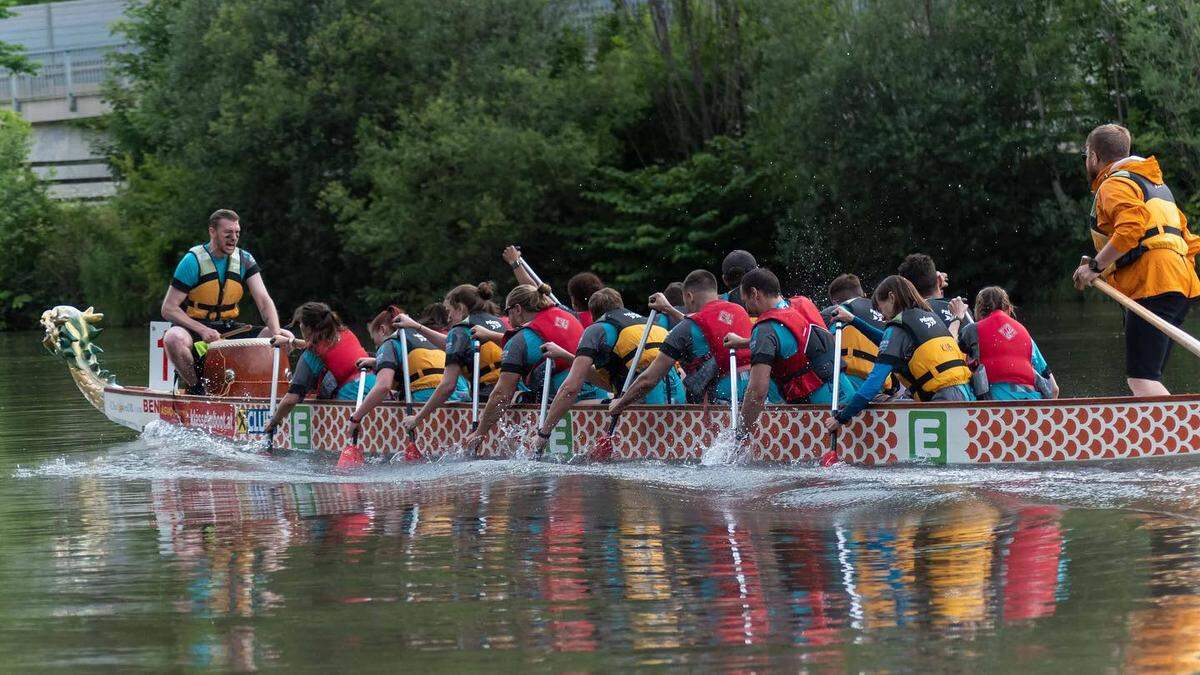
(62, 73)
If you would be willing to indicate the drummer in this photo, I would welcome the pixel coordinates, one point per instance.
(329, 363)
(202, 300)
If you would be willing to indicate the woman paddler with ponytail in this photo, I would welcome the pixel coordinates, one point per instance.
(915, 344)
(1008, 364)
(329, 363)
(468, 306)
(539, 321)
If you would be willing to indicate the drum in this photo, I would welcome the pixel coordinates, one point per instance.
(242, 369)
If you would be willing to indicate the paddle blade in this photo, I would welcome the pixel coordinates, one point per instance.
(602, 451)
(829, 458)
(351, 457)
(411, 453)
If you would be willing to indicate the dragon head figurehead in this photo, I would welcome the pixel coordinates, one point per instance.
(69, 334)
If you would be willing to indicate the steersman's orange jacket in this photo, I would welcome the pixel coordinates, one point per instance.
(1124, 217)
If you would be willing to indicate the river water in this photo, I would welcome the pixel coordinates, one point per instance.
(173, 550)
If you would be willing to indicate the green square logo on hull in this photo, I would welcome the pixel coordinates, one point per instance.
(927, 433)
(562, 439)
(300, 428)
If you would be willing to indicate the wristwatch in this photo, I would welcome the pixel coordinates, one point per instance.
(1093, 266)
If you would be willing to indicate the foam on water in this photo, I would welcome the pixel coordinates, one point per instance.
(168, 452)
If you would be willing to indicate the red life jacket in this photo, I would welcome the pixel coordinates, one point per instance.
(585, 318)
(1005, 350)
(794, 375)
(716, 319)
(557, 325)
(340, 356)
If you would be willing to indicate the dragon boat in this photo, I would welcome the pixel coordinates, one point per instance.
(984, 432)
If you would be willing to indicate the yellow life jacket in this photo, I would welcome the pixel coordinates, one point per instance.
(489, 352)
(630, 327)
(936, 362)
(1164, 231)
(211, 299)
(426, 363)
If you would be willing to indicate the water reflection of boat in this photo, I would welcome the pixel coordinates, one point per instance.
(1068, 430)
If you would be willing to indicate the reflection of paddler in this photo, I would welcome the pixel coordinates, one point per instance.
(1165, 635)
(956, 561)
(740, 608)
(647, 578)
(806, 571)
(885, 572)
(1031, 567)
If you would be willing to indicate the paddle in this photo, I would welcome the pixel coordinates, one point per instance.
(352, 455)
(1177, 334)
(545, 392)
(604, 447)
(733, 394)
(274, 395)
(411, 453)
(536, 279)
(475, 386)
(831, 457)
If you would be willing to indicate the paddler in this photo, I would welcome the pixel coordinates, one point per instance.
(467, 306)
(735, 266)
(1144, 250)
(674, 310)
(915, 344)
(579, 287)
(999, 347)
(790, 345)
(859, 351)
(426, 368)
(697, 344)
(206, 289)
(605, 354)
(920, 269)
(329, 362)
(539, 321)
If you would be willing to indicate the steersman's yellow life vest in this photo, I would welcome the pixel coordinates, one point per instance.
(1163, 231)
(211, 299)
(936, 362)
(630, 326)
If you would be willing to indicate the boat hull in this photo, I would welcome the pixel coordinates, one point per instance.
(1018, 432)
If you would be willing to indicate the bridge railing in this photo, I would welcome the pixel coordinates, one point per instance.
(61, 73)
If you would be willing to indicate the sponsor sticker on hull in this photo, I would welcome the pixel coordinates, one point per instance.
(217, 419)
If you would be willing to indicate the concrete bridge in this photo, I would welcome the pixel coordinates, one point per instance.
(69, 43)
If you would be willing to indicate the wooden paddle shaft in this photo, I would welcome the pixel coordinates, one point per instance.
(1177, 334)
(536, 279)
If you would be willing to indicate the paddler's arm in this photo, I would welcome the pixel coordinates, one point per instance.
(172, 310)
(383, 385)
(659, 302)
(502, 395)
(566, 396)
(756, 397)
(406, 321)
(437, 398)
(511, 255)
(266, 306)
(849, 318)
(642, 385)
(286, 404)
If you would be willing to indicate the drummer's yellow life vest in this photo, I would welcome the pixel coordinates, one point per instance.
(936, 362)
(212, 299)
(1164, 229)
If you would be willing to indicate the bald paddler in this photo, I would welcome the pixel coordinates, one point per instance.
(206, 289)
(1144, 250)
